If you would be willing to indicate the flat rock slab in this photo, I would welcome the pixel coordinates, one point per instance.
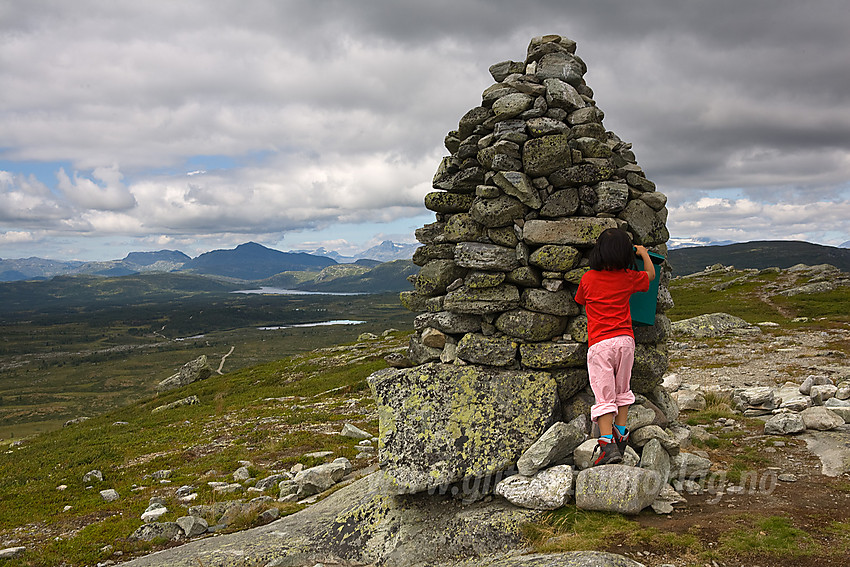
(361, 524)
(440, 424)
(832, 447)
(568, 559)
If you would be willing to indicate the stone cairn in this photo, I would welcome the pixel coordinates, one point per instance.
(532, 180)
(499, 353)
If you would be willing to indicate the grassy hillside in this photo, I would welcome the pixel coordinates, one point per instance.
(270, 414)
(780, 254)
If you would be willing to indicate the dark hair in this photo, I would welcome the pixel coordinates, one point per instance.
(613, 251)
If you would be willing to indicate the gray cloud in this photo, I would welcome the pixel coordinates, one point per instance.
(335, 111)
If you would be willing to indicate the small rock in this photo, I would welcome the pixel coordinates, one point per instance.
(154, 512)
(192, 526)
(93, 476)
(12, 552)
(158, 530)
(269, 515)
(548, 489)
(109, 495)
(671, 382)
(787, 477)
(354, 432)
(556, 444)
(784, 424)
(241, 474)
(689, 400)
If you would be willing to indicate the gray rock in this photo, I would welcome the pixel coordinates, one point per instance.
(662, 399)
(492, 351)
(650, 366)
(497, 212)
(241, 474)
(553, 447)
(555, 258)
(319, 478)
(758, 398)
(271, 481)
(478, 421)
(448, 322)
(611, 197)
(617, 488)
(559, 303)
(192, 526)
(548, 489)
(655, 458)
(639, 416)
(192, 371)
(810, 381)
(688, 466)
(574, 232)
(512, 105)
(482, 256)
(388, 530)
(189, 401)
(562, 95)
(517, 184)
(823, 391)
(12, 552)
(796, 403)
(710, 325)
(821, 419)
(93, 476)
(154, 512)
(562, 203)
(482, 301)
(568, 559)
(549, 355)
(435, 276)
(354, 432)
(168, 531)
(842, 412)
(642, 436)
(843, 391)
(647, 225)
(689, 400)
(784, 424)
(530, 325)
(109, 495)
(542, 156)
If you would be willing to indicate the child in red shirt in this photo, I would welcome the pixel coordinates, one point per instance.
(605, 291)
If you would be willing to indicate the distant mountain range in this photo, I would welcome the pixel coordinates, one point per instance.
(249, 261)
(676, 243)
(759, 255)
(386, 251)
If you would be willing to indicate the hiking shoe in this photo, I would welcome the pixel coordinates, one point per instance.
(606, 454)
(622, 441)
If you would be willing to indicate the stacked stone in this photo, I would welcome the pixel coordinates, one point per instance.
(532, 180)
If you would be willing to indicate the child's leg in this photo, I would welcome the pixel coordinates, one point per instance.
(625, 360)
(601, 372)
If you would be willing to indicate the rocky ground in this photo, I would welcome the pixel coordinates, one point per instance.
(812, 499)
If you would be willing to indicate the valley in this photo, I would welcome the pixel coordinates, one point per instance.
(80, 346)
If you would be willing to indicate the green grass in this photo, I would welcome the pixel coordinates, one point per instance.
(761, 538)
(270, 414)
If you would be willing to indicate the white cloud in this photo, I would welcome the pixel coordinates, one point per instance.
(108, 195)
(333, 113)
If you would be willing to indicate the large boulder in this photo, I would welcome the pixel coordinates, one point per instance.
(192, 371)
(568, 559)
(711, 325)
(821, 418)
(617, 488)
(441, 424)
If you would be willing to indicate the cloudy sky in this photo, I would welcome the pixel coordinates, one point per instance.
(195, 125)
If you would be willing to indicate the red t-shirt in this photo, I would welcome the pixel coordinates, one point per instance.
(605, 295)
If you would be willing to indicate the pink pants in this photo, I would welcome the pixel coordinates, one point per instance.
(609, 364)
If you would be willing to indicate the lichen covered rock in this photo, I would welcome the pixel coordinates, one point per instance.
(440, 424)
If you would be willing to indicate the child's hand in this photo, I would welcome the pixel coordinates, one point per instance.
(640, 250)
